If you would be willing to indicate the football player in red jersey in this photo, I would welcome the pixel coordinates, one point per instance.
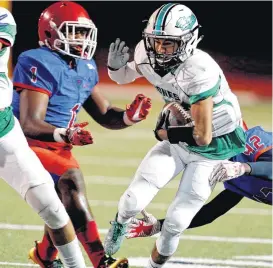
(52, 83)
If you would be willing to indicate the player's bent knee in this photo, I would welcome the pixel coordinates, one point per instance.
(72, 179)
(136, 197)
(45, 201)
(167, 243)
(176, 225)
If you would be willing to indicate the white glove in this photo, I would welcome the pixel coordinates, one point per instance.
(118, 55)
(226, 170)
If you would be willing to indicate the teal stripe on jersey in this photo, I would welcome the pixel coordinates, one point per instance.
(161, 16)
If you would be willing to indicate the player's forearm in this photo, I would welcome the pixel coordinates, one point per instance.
(38, 129)
(112, 119)
(125, 74)
(259, 169)
(202, 115)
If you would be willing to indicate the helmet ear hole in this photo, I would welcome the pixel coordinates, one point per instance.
(48, 34)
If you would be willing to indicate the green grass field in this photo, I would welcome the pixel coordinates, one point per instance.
(241, 238)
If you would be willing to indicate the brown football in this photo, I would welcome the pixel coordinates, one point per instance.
(178, 115)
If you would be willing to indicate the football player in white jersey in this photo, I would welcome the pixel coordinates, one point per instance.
(21, 168)
(168, 58)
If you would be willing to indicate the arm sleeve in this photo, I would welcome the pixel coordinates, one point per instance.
(31, 74)
(261, 169)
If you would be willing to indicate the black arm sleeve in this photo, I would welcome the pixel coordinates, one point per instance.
(217, 207)
(112, 119)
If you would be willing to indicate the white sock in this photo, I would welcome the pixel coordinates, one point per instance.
(71, 255)
(152, 264)
(122, 220)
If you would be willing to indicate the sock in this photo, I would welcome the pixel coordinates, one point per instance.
(152, 264)
(90, 239)
(46, 249)
(71, 255)
(122, 220)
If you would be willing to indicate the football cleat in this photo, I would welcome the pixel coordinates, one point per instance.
(109, 262)
(115, 237)
(35, 257)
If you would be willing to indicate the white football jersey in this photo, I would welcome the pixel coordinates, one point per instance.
(7, 32)
(193, 80)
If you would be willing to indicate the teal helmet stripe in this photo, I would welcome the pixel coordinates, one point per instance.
(161, 15)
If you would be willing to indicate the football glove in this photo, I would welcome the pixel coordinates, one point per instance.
(226, 170)
(74, 135)
(147, 226)
(137, 110)
(118, 55)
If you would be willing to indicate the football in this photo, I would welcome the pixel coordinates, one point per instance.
(178, 115)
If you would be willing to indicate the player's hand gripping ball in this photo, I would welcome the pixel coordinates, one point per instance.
(172, 115)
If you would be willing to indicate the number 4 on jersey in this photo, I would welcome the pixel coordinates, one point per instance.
(253, 145)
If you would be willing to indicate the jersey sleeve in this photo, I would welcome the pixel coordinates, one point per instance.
(96, 74)
(205, 84)
(7, 27)
(29, 73)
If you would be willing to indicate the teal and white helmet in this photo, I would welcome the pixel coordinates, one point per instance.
(175, 22)
(7, 25)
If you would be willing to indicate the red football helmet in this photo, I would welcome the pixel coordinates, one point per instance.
(58, 25)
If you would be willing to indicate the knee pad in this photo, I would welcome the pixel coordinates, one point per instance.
(177, 223)
(45, 201)
(139, 194)
(167, 242)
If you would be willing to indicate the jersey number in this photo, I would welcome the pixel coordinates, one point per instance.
(256, 144)
(33, 71)
(73, 112)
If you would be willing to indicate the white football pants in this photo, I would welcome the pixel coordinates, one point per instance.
(23, 171)
(161, 164)
(19, 165)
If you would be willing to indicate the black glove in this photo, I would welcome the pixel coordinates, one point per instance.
(162, 123)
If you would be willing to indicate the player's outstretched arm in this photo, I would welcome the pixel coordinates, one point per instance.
(119, 69)
(261, 169)
(100, 109)
(228, 170)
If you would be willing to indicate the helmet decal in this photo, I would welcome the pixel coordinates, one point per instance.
(186, 23)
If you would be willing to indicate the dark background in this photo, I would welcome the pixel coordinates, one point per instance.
(234, 28)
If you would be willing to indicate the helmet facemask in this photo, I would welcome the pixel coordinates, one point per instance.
(183, 47)
(71, 42)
